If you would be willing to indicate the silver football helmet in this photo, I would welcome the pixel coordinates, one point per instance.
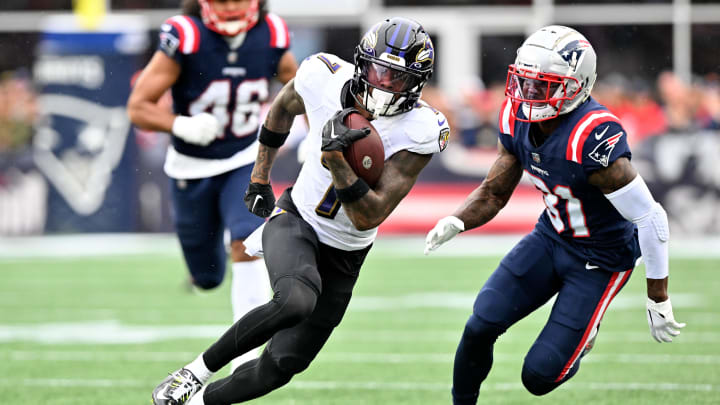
(553, 73)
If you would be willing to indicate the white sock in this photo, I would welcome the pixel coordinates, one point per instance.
(199, 369)
(197, 399)
(250, 289)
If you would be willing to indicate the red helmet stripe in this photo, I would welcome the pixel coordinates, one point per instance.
(279, 34)
(582, 130)
(189, 33)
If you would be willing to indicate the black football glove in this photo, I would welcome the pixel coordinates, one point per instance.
(259, 199)
(336, 136)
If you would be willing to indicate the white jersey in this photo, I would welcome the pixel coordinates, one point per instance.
(319, 81)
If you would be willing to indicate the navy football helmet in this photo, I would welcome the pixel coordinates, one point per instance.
(393, 61)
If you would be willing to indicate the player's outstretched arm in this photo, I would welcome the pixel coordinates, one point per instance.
(482, 204)
(259, 196)
(493, 193)
(630, 196)
(143, 107)
(399, 175)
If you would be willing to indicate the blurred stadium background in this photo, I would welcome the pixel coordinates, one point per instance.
(92, 274)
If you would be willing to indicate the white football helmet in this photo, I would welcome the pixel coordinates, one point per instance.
(553, 73)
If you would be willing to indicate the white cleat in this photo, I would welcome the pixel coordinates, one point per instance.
(176, 389)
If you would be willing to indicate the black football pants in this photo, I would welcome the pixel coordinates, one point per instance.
(313, 284)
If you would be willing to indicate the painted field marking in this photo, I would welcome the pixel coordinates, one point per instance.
(365, 385)
(343, 357)
(114, 332)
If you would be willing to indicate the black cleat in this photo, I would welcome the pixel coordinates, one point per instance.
(176, 389)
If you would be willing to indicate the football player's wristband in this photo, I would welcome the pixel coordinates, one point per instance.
(353, 193)
(271, 138)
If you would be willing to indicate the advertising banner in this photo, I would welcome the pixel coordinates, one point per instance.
(83, 142)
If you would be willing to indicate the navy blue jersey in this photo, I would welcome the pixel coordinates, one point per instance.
(228, 82)
(577, 213)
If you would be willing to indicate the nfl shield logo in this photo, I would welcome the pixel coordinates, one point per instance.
(536, 157)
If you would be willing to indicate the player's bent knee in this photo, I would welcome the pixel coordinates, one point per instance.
(481, 331)
(536, 384)
(291, 365)
(541, 368)
(206, 281)
(295, 298)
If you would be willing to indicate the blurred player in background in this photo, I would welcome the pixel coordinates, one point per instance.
(600, 215)
(323, 227)
(217, 58)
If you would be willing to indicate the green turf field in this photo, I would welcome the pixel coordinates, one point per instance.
(106, 330)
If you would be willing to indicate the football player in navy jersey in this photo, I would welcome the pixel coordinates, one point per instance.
(321, 229)
(599, 217)
(217, 58)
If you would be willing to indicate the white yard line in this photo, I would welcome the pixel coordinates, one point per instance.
(342, 357)
(366, 385)
(112, 332)
(103, 245)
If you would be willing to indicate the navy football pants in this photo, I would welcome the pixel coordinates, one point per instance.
(534, 271)
(204, 208)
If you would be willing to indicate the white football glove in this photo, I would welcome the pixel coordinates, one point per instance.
(661, 320)
(200, 129)
(444, 230)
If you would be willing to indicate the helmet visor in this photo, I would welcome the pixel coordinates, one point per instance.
(388, 77)
(537, 88)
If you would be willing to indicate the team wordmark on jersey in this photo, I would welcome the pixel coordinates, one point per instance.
(603, 150)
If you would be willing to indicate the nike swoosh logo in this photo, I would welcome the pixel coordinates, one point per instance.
(258, 198)
(441, 122)
(333, 135)
(589, 266)
(601, 134)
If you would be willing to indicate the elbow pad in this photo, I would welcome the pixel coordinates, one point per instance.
(635, 203)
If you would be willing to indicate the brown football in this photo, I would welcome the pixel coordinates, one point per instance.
(365, 156)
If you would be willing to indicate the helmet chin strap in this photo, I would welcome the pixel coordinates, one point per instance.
(381, 101)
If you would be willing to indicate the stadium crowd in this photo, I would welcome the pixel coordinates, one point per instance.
(670, 106)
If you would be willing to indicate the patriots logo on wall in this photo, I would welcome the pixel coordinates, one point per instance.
(603, 150)
(80, 167)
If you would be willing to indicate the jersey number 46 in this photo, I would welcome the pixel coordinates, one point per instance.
(244, 119)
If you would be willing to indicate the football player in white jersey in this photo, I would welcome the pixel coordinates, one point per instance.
(321, 229)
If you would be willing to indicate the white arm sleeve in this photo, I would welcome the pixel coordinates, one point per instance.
(635, 203)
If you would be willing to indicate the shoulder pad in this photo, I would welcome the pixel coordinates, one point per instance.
(427, 128)
(589, 129)
(316, 72)
(506, 118)
(279, 33)
(179, 33)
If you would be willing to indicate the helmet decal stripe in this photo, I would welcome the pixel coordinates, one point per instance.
(405, 42)
(392, 40)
